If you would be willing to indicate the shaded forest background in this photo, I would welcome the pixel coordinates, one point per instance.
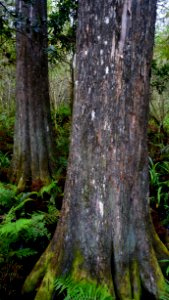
(28, 218)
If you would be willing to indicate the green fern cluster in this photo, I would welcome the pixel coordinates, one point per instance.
(25, 231)
(62, 127)
(28, 219)
(20, 231)
(15, 235)
(81, 290)
(4, 160)
(7, 197)
(159, 173)
(159, 185)
(52, 190)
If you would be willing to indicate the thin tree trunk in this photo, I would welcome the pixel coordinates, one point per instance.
(105, 233)
(33, 140)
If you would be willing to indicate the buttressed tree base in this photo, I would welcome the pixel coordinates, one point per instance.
(105, 234)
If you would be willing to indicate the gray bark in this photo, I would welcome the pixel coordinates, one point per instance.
(33, 140)
(105, 232)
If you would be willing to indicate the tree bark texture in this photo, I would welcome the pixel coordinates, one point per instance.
(33, 140)
(105, 231)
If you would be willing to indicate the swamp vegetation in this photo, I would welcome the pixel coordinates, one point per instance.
(105, 234)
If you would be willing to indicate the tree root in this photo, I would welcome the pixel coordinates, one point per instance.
(131, 272)
(137, 275)
(35, 277)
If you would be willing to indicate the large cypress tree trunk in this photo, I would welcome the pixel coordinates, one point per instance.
(105, 231)
(33, 140)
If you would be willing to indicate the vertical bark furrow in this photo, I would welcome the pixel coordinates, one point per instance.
(33, 141)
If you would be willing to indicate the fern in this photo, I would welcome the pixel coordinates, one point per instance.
(165, 294)
(53, 190)
(48, 188)
(7, 196)
(81, 290)
(22, 253)
(13, 229)
(11, 215)
(20, 232)
(4, 160)
(52, 216)
(38, 228)
(167, 268)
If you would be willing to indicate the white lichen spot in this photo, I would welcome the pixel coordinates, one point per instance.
(133, 121)
(66, 237)
(98, 259)
(102, 61)
(109, 128)
(113, 47)
(93, 182)
(98, 37)
(31, 12)
(121, 129)
(105, 125)
(76, 82)
(87, 27)
(86, 52)
(106, 20)
(126, 8)
(20, 6)
(97, 238)
(95, 17)
(107, 70)
(101, 208)
(83, 109)
(93, 115)
(105, 42)
(101, 51)
(89, 90)
(47, 128)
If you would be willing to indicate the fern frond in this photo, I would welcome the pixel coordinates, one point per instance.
(48, 188)
(52, 216)
(7, 196)
(22, 231)
(165, 294)
(81, 290)
(25, 252)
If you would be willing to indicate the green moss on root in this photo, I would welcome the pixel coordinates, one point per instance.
(38, 272)
(46, 288)
(135, 279)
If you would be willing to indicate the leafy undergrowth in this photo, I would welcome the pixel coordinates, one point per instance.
(6, 144)
(73, 290)
(62, 118)
(28, 219)
(25, 232)
(158, 141)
